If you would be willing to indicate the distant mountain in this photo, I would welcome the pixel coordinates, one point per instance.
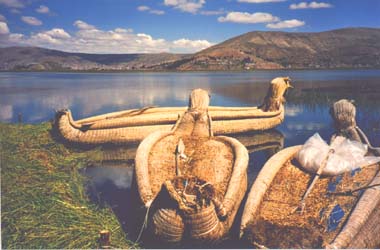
(343, 48)
(40, 59)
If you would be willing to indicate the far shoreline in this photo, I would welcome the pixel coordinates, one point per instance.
(186, 71)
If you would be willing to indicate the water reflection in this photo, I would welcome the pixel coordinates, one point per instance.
(119, 175)
(111, 187)
(37, 95)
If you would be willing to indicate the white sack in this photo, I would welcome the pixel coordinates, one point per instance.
(348, 155)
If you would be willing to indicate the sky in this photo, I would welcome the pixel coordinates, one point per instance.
(176, 26)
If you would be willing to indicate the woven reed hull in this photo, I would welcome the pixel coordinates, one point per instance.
(360, 230)
(368, 236)
(75, 132)
(119, 154)
(166, 115)
(171, 225)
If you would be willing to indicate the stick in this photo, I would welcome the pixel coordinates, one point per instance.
(351, 191)
(180, 151)
(316, 178)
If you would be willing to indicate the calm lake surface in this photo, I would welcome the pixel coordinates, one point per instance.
(34, 97)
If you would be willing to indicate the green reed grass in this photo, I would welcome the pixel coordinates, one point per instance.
(43, 198)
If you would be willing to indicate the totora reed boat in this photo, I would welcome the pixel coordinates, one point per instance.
(191, 181)
(134, 125)
(341, 211)
(332, 217)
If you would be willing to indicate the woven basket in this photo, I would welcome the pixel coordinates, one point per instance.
(168, 225)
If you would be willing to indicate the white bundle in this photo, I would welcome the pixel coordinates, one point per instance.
(347, 155)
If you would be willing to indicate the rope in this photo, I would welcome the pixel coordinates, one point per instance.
(351, 191)
(376, 151)
(144, 225)
(132, 112)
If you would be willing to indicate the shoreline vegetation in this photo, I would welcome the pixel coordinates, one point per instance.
(44, 201)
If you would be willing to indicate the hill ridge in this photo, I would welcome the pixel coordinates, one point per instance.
(350, 47)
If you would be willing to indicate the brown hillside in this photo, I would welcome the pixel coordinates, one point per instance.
(344, 48)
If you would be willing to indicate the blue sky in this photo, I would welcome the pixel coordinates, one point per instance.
(181, 26)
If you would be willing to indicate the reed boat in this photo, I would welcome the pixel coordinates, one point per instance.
(191, 181)
(131, 126)
(341, 211)
(332, 218)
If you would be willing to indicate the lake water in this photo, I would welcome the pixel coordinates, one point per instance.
(34, 97)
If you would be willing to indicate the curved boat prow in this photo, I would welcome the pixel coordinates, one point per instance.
(74, 133)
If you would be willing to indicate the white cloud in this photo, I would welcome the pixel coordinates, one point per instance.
(143, 8)
(245, 17)
(260, 1)
(31, 20)
(120, 30)
(90, 39)
(212, 12)
(12, 3)
(286, 24)
(157, 12)
(58, 33)
(2, 18)
(14, 38)
(312, 5)
(83, 25)
(44, 39)
(4, 28)
(148, 9)
(191, 45)
(43, 9)
(191, 6)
